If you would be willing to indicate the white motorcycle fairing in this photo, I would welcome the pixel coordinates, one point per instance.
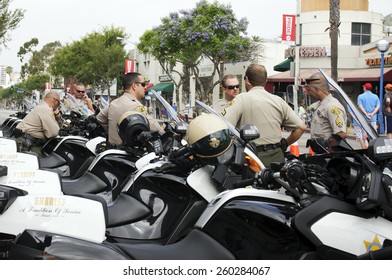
(352, 234)
(60, 214)
(92, 144)
(33, 181)
(17, 161)
(7, 145)
(201, 181)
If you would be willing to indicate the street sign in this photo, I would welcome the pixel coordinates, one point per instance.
(20, 91)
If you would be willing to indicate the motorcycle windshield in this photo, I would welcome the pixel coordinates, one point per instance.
(29, 104)
(354, 115)
(208, 109)
(163, 110)
(77, 107)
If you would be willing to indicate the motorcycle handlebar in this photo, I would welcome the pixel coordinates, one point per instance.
(182, 152)
(384, 253)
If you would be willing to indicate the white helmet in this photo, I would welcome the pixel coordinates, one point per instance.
(210, 139)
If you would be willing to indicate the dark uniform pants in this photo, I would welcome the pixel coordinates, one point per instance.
(273, 155)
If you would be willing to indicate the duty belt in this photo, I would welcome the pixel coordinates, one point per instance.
(266, 147)
(34, 141)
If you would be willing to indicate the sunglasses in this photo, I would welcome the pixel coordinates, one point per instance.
(80, 91)
(58, 101)
(232, 87)
(142, 84)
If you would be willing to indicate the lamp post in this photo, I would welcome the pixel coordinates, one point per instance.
(382, 47)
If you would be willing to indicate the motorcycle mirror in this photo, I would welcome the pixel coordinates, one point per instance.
(380, 149)
(181, 128)
(249, 132)
(8, 196)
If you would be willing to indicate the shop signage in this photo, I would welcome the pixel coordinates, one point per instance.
(164, 78)
(308, 52)
(377, 61)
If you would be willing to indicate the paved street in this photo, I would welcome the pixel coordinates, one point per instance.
(5, 114)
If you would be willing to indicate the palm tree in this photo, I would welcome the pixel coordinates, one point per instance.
(334, 23)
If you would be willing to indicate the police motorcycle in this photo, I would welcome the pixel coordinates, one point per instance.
(165, 198)
(329, 206)
(120, 178)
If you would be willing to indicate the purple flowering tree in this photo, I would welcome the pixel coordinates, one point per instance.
(209, 31)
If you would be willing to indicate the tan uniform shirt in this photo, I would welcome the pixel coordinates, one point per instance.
(110, 116)
(41, 122)
(220, 105)
(267, 111)
(328, 118)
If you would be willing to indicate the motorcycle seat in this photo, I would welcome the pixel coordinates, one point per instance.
(51, 161)
(126, 209)
(197, 245)
(88, 183)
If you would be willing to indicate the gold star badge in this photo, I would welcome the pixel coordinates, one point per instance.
(373, 245)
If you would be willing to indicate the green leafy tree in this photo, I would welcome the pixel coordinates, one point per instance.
(9, 20)
(95, 60)
(39, 60)
(209, 31)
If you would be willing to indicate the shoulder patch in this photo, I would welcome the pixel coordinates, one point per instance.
(339, 122)
(141, 109)
(335, 110)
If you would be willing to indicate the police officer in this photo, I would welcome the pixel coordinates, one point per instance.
(329, 116)
(268, 112)
(134, 87)
(230, 87)
(40, 124)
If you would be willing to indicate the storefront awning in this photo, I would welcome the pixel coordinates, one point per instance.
(164, 87)
(283, 66)
(344, 75)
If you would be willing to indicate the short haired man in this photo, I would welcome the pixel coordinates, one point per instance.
(231, 88)
(369, 104)
(80, 99)
(134, 87)
(40, 124)
(268, 112)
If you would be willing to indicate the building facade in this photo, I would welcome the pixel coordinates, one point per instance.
(358, 57)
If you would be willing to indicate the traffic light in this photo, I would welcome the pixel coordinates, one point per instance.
(12, 88)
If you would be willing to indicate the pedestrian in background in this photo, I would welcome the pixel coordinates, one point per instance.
(40, 124)
(360, 133)
(268, 112)
(329, 115)
(387, 110)
(369, 104)
(231, 87)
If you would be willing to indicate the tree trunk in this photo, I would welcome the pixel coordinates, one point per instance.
(334, 20)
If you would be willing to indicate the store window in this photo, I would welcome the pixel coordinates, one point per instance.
(360, 33)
